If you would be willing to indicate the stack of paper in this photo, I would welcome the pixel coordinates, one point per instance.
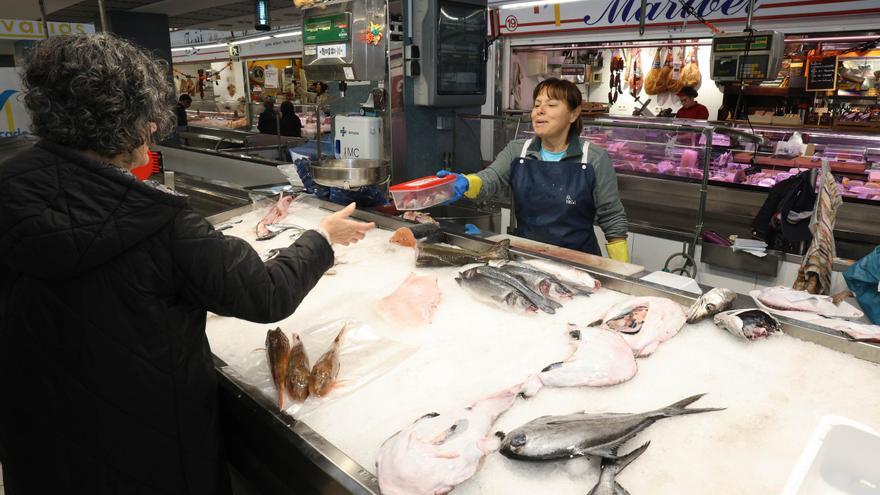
(751, 246)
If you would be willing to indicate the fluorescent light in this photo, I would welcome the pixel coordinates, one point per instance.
(285, 35)
(183, 49)
(241, 42)
(519, 5)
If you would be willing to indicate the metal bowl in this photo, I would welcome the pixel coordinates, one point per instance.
(349, 173)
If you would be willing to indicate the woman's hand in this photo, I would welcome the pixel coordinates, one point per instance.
(342, 230)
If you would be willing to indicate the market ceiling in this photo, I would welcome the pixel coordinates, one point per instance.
(202, 14)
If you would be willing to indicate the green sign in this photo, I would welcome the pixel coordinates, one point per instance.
(328, 29)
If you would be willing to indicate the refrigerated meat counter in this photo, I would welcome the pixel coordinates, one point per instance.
(773, 399)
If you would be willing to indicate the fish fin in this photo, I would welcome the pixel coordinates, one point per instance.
(552, 366)
(619, 463)
(596, 323)
(679, 408)
(427, 416)
(619, 490)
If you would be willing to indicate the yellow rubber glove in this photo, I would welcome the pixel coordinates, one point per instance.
(618, 250)
(475, 183)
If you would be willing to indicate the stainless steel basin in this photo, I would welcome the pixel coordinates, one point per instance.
(350, 173)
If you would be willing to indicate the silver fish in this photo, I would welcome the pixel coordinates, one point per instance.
(711, 303)
(560, 437)
(491, 290)
(542, 282)
(611, 467)
(749, 324)
(546, 305)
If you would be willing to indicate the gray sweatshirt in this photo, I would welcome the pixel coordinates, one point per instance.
(610, 214)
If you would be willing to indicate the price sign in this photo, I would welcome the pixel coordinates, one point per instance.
(822, 74)
(332, 51)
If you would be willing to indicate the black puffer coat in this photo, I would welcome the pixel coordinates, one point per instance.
(105, 369)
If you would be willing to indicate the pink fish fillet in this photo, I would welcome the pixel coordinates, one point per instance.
(645, 322)
(275, 214)
(413, 303)
(440, 451)
(600, 358)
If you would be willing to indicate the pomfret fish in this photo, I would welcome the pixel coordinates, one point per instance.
(436, 255)
(578, 280)
(749, 324)
(326, 369)
(560, 437)
(277, 354)
(546, 305)
(296, 380)
(611, 467)
(711, 303)
(494, 291)
(542, 282)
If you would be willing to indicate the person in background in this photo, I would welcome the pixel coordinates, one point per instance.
(108, 380)
(560, 183)
(267, 123)
(291, 125)
(184, 102)
(690, 109)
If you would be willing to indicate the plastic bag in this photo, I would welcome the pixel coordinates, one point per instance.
(863, 278)
(793, 147)
(364, 356)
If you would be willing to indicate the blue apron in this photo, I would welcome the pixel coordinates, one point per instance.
(553, 201)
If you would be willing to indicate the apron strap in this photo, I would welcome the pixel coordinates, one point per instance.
(586, 150)
(525, 148)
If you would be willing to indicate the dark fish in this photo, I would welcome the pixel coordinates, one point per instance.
(436, 255)
(546, 305)
(277, 354)
(711, 303)
(749, 324)
(491, 290)
(326, 369)
(296, 380)
(611, 467)
(542, 282)
(560, 437)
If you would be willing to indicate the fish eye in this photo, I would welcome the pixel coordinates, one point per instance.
(518, 440)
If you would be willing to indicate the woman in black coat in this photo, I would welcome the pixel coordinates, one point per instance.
(266, 123)
(291, 125)
(105, 282)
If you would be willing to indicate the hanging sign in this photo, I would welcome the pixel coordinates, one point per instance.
(271, 77)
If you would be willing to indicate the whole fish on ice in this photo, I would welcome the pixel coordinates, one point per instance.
(611, 467)
(539, 281)
(749, 324)
(296, 380)
(326, 369)
(561, 437)
(276, 213)
(645, 322)
(787, 299)
(544, 304)
(711, 303)
(440, 451)
(493, 291)
(277, 354)
(578, 280)
(599, 358)
(437, 255)
(413, 303)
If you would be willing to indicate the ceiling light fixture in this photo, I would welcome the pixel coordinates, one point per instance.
(285, 35)
(182, 49)
(251, 40)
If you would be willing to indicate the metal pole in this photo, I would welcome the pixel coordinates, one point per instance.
(704, 190)
(43, 17)
(103, 13)
(751, 11)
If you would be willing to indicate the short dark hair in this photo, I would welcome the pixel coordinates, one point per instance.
(287, 107)
(688, 91)
(269, 103)
(97, 92)
(185, 98)
(563, 90)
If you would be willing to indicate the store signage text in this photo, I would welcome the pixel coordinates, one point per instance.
(23, 29)
(630, 10)
(332, 51)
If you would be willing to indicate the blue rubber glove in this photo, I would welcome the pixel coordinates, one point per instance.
(471, 229)
(461, 185)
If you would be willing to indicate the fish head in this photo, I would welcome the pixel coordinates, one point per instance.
(514, 444)
(518, 300)
(469, 273)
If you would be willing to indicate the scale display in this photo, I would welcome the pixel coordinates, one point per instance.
(755, 57)
(460, 39)
(328, 29)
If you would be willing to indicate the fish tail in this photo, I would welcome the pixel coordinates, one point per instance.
(619, 463)
(679, 408)
(500, 251)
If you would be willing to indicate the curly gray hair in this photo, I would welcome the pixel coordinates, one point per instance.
(97, 92)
